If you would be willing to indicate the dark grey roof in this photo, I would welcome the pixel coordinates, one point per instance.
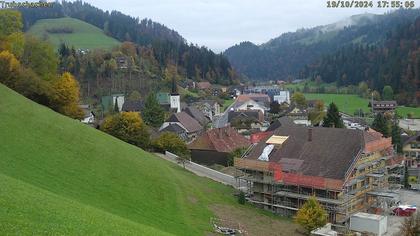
(329, 154)
(197, 114)
(383, 104)
(133, 106)
(174, 128)
(251, 114)
(186, 120)
(210, 102)
(410, 139)
(282, 121)
(178, 130)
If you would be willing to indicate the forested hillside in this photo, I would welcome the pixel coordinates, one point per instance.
(396, 62)
(285, 57)
(166, 46)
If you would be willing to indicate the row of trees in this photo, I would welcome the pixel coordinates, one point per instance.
(29, 66)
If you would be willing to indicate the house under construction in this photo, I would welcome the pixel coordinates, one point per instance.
(344, 169)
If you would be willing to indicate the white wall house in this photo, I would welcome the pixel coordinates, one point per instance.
(120, 100)
(89, 118)
(283, 96)
(175, 102)
(249, 105)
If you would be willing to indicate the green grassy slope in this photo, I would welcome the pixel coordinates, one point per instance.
(58, 164)
(60, 177)
(345, 103)
(85, 36)
(349, 103)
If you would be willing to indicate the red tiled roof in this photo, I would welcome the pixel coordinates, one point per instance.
(221, 139)
(203, 85)
(257, 137)
(257, 96)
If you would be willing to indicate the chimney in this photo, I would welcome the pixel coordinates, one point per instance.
(310, 130)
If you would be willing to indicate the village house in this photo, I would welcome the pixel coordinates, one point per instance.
(411, 150)
(203, 85)
(176, 129)
(246, 121)
(133, 106)
(344, 169)
(205, 108)
(263, 99)
(383, 106)
(197, 115)
(108, 102)
(249, 104)
(122, 62)
(282, 97)
(163, 98)
(88, 114)
(299, 116)
(191, 126)
(215, 145)
(209, 107)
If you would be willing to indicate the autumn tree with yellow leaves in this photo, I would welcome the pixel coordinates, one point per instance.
(29, 67)
(129, 127)
(67, 96)
(312, 215)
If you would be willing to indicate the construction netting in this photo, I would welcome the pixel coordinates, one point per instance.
(289, 178)
(378, 145)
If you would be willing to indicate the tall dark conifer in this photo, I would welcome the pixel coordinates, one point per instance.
(333, 118)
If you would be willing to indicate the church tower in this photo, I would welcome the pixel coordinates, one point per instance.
(175, 98)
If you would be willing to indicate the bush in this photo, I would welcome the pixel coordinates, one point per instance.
(129, 127)
(311, 215)
(60, 30)
(241, 198)
(170, 142)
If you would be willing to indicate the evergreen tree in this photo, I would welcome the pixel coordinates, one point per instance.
(406, 182)
(396, 136)
(380, 124)
(388, 93)
(274, 107)
(153, 113)
(333, 117)
(241, 198)
(116, 109)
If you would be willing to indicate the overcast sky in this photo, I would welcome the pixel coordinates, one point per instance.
(219, 24)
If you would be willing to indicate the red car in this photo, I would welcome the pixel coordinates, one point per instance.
(405, 210)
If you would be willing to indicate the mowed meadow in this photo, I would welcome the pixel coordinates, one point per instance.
(60, 177)
(74, 32)
(350, 103)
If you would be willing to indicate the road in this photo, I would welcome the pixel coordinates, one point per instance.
(222, 120)
(410, 124)
(394, 222)
(207, 172)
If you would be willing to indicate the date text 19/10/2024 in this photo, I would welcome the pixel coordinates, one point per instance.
(370, 4)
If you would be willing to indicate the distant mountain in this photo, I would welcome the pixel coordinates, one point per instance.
(395, 62)
(285, 56)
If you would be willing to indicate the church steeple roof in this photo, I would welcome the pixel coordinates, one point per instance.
(174, 90)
